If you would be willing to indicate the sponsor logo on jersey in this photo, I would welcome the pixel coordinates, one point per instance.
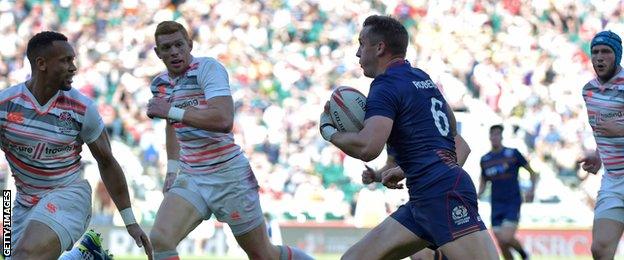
(22, 148)
(15, 117)
(187, 103)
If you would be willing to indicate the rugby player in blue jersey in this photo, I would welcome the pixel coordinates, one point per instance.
(500, 166)
(407, 112)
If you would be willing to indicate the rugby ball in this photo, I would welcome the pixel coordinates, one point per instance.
(347, 107)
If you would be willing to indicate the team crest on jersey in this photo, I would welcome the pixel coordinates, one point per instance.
(460, 215)
(65, 122)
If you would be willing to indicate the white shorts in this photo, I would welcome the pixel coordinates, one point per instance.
(231, 195)
(67, 211)
(610, 201)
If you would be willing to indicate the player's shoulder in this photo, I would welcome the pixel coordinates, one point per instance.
(78, 97)
(419, 73)
(618, 80)
(160, 79)
(486, 156)
(205, 63)
(591, 85)
(12, 91)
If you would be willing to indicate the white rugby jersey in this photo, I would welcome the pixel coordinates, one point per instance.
(201, 151)
(42, 143)
(605, 102)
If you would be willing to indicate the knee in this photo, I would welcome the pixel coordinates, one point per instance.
(504, 241)
(600, 248)
(161, 239)
(24, 251)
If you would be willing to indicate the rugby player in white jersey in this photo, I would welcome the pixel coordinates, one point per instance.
(604, 99)
(43, 125)
(214, 174)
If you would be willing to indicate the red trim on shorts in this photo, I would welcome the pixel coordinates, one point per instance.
(289, 253)
(172, 258)
(465, 231)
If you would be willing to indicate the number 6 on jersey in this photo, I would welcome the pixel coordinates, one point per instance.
(438, 114)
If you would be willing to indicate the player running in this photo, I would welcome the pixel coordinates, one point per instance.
(44, 124)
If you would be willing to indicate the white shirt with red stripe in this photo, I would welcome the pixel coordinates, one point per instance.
(201, 151)
(605, 102)
(42, 143)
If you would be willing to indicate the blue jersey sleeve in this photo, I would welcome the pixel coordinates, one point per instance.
(382, 101)
(521, 160)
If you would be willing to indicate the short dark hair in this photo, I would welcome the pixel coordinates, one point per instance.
(169, 27)
(390, 31)
(494, 127)
(39, 43)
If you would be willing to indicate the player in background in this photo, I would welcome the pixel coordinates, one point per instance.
(214, 175)
(500, 167)
(604, 100)
(45, 122)
(406, 111)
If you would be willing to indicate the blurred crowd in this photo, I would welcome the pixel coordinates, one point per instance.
(522, 63)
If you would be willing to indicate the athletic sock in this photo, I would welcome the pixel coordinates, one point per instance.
(166, 255)
(293, 253)
(74, 254)
(522, 253)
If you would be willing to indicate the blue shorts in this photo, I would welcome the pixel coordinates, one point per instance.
(446, 211)
(508, 212)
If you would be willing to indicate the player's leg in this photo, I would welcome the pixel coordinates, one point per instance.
(608, 221)
(38, 241)
(57, 220)
(606, 234)
(237, 203)
(510, 227)
(425, 254)
(477, 245)
(516, 245)
(256, 245)
(388, 240)
(181, 210)
(175, 219)
(394, 238)
(504, 236)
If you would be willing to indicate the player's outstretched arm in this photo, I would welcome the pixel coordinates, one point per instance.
(115, 182)
(217, 117)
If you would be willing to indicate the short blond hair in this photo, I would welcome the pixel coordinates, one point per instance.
(169, 27)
